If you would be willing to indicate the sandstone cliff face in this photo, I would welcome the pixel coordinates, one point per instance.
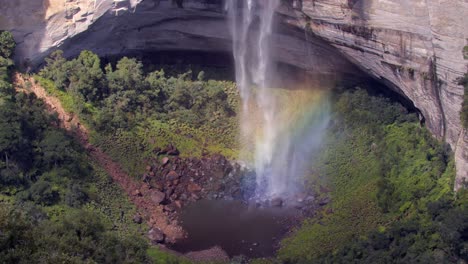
(41, 24)
(415, 47)
(110, 27)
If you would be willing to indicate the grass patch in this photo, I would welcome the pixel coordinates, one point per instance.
(65, 98)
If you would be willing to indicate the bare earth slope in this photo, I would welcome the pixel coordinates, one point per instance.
(139, 193)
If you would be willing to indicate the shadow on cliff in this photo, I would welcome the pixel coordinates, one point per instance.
(27, 21)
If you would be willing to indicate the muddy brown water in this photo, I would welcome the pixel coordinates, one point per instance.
(238, 228)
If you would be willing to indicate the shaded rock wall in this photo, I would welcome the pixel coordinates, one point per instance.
(415, 47)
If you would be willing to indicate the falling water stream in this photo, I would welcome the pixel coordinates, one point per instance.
(281, 129)
(283, 133)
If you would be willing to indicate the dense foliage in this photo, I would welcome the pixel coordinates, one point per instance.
(390, 180)
(7, 44)
(57, 206)
(124, 96)
(464, 112)
(391, 190)
(144, 111)
(7, 47)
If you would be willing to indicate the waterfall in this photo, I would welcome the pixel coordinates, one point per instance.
(280, 139)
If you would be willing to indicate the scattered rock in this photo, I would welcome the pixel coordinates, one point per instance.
(137, 219)
(157, 151)
(158, 186)
(148, 168)
(299, 206)
(156, 236)
(136, 193)
(178, 204)
(193, 187)
(145, 177)
(277, 202)
(214, 254)
(169, 192)
(183, 197)
(170, 150)
(165, 161)
(324, 201)
(173, 152)
(195, 197)
(205, 152)
(172, 175)
(157, 197)
(324, 189)
(169, 208)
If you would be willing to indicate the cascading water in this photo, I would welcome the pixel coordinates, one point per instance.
(282, 127)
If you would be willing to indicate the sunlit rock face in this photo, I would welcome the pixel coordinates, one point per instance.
(415, 47)
(41, 24)
(111, 27)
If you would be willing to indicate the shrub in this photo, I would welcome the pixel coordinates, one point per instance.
(7, 44)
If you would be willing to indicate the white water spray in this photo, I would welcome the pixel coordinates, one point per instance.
(280, 153)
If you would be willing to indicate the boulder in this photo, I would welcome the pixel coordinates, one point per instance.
(183, 197)
(277, 202)
(170, 150)
(170, 208)
(172, 176)
(157, 150)
(173, 152)
(156, 236)
(193, 187)
(169, 192)
(157, 197)
(137, 219)
(165, 161)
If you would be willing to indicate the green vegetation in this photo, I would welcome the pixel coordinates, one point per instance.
(7, 44)
(142, 111)
(392, 196)
(390, 180)
(464, 112)
(7, 47)
(56, 206)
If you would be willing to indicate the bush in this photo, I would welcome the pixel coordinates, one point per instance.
(7, 44)
(464, 111)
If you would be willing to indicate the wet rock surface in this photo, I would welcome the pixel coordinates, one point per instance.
(156, 236)
(211, 199)
(185, 180)
(208, 255)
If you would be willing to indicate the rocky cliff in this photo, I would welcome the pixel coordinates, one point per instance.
(415, 47)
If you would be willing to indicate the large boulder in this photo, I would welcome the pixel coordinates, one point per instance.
(157, 197)
(156, 236)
